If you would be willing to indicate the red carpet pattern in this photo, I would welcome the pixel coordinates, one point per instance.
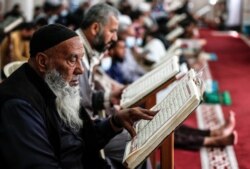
(231, 71)
(211, 116)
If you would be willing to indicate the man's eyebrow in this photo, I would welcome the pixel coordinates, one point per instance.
(114, 30)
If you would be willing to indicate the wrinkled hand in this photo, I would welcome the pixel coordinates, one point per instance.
(127, 117)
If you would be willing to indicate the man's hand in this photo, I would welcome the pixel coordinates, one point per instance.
(127, 117)
(116, 93)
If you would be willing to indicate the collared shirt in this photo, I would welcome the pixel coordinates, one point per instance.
(92, 58)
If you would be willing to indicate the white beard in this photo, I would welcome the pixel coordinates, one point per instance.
(67, 101)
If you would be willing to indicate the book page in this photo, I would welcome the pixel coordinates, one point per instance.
(176, 19)
(149, 82)
(174, 108)
(10, 23)
(174, 33)
(203, 11)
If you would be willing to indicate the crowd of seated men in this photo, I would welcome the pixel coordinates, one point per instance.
(118, 50)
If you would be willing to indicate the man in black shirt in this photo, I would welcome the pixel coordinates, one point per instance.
(42, 122)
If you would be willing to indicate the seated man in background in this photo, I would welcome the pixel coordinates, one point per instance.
(131, 69)
(15, 47)
(117, 54)
(42, 121)
(122, 73)
(98, 31)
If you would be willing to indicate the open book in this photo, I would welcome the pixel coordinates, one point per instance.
(203, 11)
(10, 23)
(149, 82)
(174, 109)
(176, 19)
(175, 33)
(174, 5)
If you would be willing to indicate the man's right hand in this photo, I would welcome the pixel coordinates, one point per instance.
(127, 117)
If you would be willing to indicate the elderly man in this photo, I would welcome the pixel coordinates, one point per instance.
(42, 122)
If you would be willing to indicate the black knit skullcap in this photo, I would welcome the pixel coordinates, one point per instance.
(49, 36)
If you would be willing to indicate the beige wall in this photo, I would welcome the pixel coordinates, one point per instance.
(2, 7)
(26, 6)
(246, 12)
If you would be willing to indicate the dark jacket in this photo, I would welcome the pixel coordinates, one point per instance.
(32, 134)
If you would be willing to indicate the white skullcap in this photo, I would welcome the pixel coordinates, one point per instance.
(124, 20)
(144, 7)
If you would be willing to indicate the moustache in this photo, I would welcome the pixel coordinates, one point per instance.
(109, 44)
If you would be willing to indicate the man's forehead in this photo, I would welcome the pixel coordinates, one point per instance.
(72, 45)
(113, 20)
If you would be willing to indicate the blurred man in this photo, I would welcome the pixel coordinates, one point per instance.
(15, 47)
(117, 53)
(98, 31)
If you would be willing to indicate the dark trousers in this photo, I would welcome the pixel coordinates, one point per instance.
(189, 138)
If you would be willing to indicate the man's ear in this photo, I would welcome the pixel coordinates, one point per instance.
(95, 27)
(42, 62)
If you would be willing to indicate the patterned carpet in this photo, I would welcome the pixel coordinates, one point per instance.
(232, 73)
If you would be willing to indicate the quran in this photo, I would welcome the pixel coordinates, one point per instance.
(176, 19)
(149, 82)
(10, 23)
(184, 97)
(178, 31)
(174, 5)
(204, 10)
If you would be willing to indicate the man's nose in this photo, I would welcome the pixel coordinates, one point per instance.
(79, 67)
(114, 37)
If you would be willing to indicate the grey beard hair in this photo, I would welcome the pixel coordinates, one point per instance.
(98, 41)
(67, 99)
